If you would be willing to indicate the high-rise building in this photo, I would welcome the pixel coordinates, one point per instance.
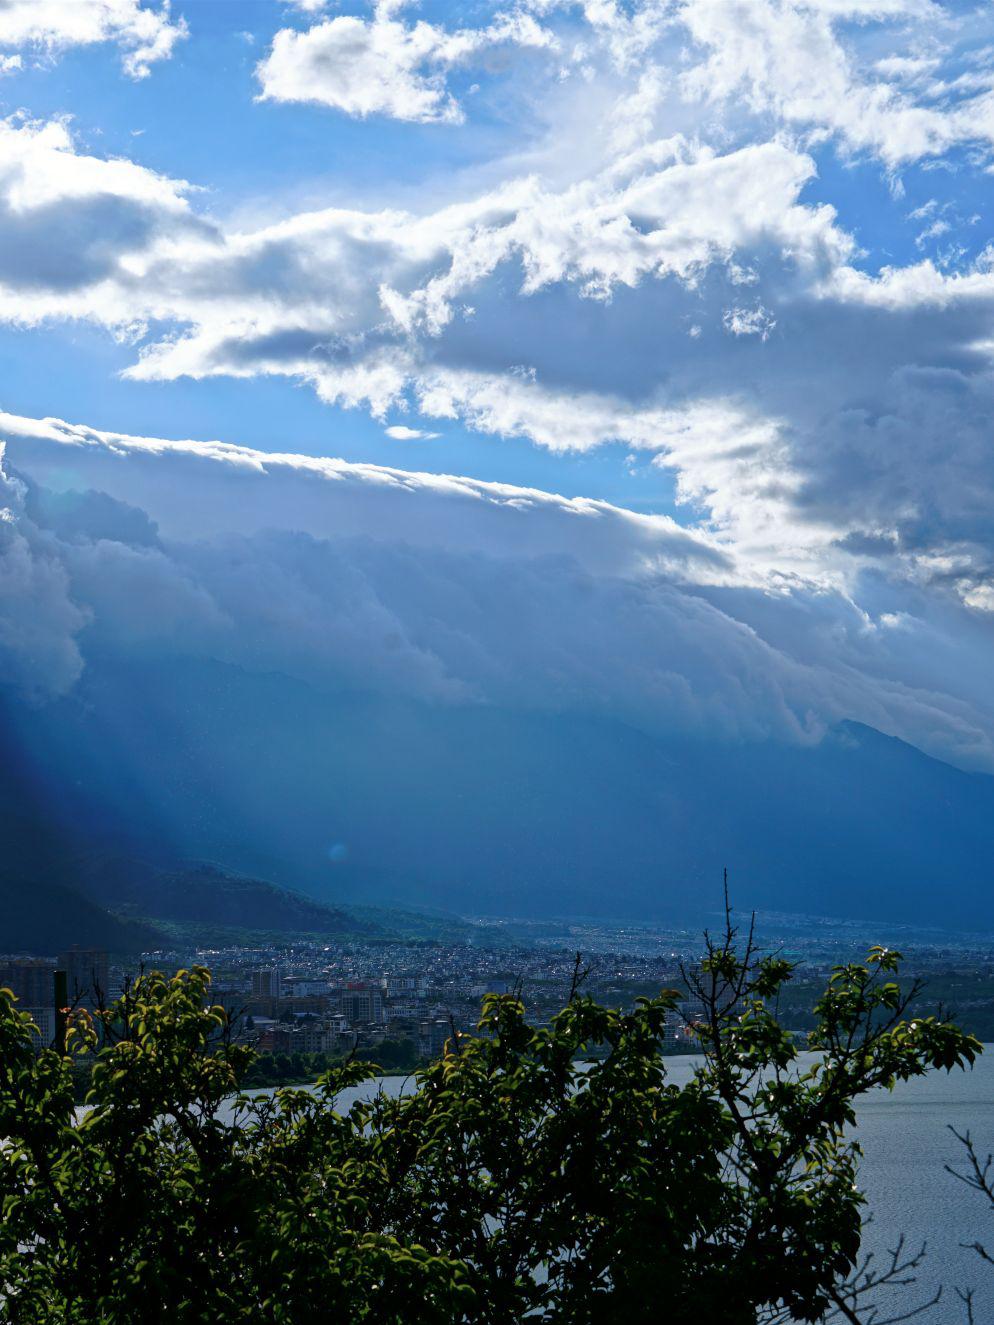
(413, 986)
(433, 1036)
(44, 1019)
(87, 976)
(30, 980)
(266, 983)
(362, 1005)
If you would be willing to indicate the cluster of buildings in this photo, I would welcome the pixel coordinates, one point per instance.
(328, 997)
(78, 978)
(285, 1005)
(283, 1009)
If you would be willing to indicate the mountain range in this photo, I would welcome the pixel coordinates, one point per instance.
(358, 801)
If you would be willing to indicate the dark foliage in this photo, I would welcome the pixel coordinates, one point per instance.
(514, 1182)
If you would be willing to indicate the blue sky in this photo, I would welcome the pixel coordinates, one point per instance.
(197, 119)
(722, 268)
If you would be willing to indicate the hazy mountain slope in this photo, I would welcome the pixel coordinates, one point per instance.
(200, 892)
(41, 910)
(476, 809)
(71, 869)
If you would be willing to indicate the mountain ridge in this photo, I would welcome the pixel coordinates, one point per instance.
(360, 801)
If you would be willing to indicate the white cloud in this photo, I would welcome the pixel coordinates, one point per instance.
(77, 232)
(810, 66)
(788, 60)
(515, 406)
(357, 302)
(384, 66)
(757, 321)
(143, 33)
(401, 433)
(361, 298)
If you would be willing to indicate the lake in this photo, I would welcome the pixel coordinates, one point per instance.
(906, 1140)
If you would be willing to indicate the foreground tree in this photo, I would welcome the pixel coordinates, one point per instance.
(512, 1183)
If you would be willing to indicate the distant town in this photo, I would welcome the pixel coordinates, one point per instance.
(300, 1002)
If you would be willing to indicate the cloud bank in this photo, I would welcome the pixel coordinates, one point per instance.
(664, 257)
(445, 590)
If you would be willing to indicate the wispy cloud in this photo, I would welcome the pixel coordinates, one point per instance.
(401, 433)
(145, 34)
